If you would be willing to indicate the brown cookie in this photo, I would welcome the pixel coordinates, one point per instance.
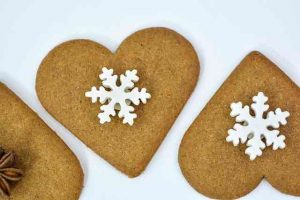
(168, 67)
(51, 171)
(218, 169)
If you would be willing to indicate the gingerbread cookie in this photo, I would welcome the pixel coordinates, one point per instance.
(248, 131)
(33, 152)
(159, 62)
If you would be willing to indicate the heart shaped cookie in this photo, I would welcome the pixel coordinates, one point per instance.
(217, 168)
(50, 169)
(167, 66)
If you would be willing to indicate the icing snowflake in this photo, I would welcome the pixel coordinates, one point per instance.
(255, 128)
(119, 97)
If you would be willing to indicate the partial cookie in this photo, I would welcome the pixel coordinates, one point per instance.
(167, 66)
(51, 171)
(217, 168)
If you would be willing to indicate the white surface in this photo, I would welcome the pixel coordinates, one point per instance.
(222, 32)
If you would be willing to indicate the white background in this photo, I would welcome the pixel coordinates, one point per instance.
(222, 32)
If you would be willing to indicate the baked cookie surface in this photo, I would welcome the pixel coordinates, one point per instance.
(51, 170)
(168, 67)
(215, 167)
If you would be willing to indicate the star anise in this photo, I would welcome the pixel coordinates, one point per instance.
(8, 172)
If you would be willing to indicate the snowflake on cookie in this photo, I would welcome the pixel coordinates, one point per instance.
(256, 128)
(119, 97)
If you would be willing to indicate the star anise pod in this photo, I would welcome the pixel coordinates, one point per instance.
(8, 172)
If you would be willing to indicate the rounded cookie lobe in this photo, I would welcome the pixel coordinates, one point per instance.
(283, 170)
(168, 67)
(50, 169)
(211, 165)
(218, 169)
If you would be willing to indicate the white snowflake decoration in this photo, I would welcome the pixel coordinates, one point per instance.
(255, 128)
(119, 97)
